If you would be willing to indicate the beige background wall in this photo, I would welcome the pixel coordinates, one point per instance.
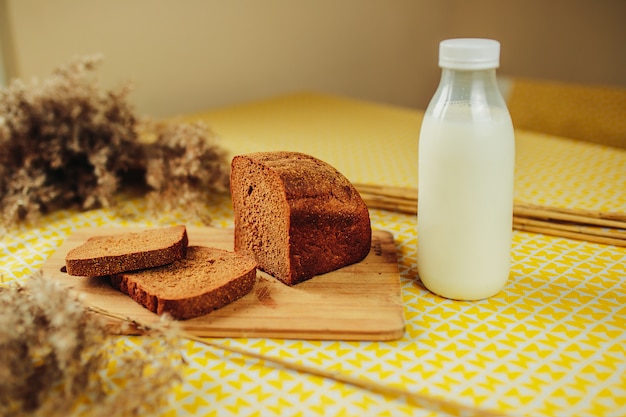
(190, 55)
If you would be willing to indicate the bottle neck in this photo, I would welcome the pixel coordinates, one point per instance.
(475, 88)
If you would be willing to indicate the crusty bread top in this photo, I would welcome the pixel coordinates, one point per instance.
(297, 215)
(111, 254)
(305, 176)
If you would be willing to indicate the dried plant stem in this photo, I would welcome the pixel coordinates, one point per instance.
(418, 399)
(403, 193)
(571, 215)
(575, 228)
(573, 232)
(587, 214)
(592, 226)
(391, 204)
(399, 199)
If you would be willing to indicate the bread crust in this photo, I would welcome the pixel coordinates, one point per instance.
(112, 254)
(206, 280)
(320, 223)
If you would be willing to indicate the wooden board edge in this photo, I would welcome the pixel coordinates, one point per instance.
(384, 333)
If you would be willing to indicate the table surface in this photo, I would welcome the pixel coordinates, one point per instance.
(553, 342)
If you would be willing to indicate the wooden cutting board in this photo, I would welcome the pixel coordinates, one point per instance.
(358, 302)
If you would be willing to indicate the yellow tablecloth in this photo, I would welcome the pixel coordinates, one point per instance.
(552, 343)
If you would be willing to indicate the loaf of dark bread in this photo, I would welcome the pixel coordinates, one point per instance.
(205, 280)
(297, 215)
(112, 254)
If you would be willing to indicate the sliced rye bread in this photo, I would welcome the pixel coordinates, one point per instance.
(205, 280)
(112, 254)
(297, 215)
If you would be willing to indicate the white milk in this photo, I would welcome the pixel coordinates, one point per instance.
(465, 202)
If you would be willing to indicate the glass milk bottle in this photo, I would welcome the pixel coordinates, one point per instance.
(465, 183)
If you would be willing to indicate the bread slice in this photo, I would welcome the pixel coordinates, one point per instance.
(297, 215)
(112, 254)
(205, 280)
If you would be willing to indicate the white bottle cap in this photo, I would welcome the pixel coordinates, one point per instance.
(469, 54)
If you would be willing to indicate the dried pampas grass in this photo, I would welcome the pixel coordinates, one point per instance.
(63, 142)
(184, 168)
(67, 143)
(57, 359)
